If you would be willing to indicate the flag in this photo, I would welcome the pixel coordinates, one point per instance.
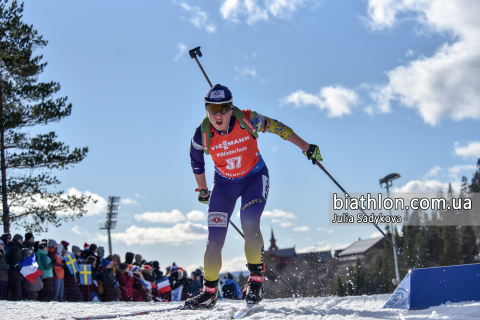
(71, 262)
(176, 295)
(163, 285)
(134, 268)
(30, 268)
(147, 284)
(85, 274)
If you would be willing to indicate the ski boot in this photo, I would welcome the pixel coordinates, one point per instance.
(206, 299)
(255, 284)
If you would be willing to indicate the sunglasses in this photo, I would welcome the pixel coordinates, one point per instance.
(214, 108)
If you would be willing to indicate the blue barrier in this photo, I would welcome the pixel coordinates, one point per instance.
(423, 288)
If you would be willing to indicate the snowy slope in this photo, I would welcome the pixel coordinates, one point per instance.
(356, 308)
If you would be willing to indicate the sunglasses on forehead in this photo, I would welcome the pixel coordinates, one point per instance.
(214, 108)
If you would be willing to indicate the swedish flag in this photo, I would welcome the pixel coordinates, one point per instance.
(86, 274)
(71, 262)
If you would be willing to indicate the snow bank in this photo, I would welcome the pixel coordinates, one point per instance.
(325, 308)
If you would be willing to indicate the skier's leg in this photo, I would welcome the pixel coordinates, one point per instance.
(224, 195)
(254, 198)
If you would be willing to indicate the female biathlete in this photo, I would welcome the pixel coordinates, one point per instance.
(239, 171)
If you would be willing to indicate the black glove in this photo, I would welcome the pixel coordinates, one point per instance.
(204, 199)
(18, 267)
(313, 153)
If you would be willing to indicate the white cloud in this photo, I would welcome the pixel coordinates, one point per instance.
(338, 101)
(94, 209)
(229, 9)
(282, 222)
(445, 85)
(198, 17)
(196, 215)
(138, 195)
(377, 234)
(325, 230)
(78, 230)
(433, 173)
(190, 268)
(455, 170)
(325, 247)
(181, 233)
(472, 150)
(182, 50)
(246, 71)
(428, 186)
(128, 201)
(301, 229)
(282, 9)
(161, 217)
(234, 264)
(278, 214)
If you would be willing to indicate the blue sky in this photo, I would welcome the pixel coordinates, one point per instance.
(380, 86)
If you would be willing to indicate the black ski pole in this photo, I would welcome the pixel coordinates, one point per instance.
(295, 295)
(193, 54)
(400, 250)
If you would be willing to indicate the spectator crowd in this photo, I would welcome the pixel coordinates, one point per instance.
(106, 278)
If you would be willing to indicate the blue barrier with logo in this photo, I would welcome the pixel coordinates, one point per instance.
(423, 288)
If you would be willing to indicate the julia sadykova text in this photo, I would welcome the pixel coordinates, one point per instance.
(362, 218)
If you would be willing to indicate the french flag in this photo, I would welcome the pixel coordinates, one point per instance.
(147, 284)
(163, 285)
(30, 268)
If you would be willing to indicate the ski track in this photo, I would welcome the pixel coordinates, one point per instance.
(325, 308)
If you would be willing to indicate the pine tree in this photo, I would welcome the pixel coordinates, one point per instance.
(359, 279)
(464, 185)
(338, 289)
(475, 186)
(450, 254)
(27, 161)
(469, 247)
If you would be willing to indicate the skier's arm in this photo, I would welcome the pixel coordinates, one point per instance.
(201, 181)
(299, 142)
(266, 124)
(198, 163)
(196, 153)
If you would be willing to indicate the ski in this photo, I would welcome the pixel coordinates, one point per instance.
(113, 316)
(247, 311)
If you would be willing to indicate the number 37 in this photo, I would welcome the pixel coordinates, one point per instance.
(235, 162)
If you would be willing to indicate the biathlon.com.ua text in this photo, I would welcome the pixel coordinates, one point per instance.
(381, 209)
(381, 203)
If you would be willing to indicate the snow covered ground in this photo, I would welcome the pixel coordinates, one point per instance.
(364, 307)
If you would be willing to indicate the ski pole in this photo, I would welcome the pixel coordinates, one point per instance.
(295, 295)
(193, 54)
(400, 250)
